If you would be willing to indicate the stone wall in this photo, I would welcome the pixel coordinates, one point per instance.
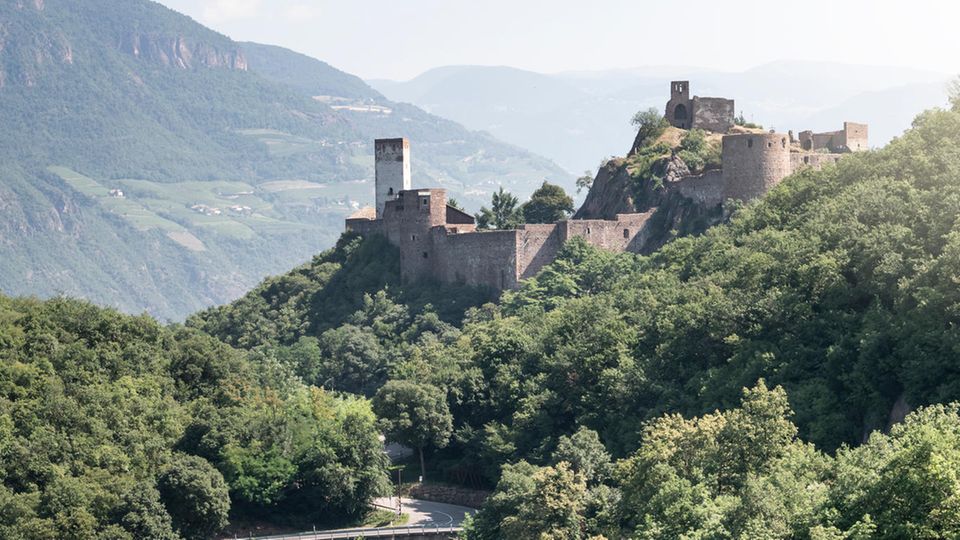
(365, 226)
(408, 222)
(537, 246)
(471, 498)
(679, 97)
(812, 159)
(754, 163)
(706, 189)
(483, 259)
(856, 136)
(713, 114)
(852, 138)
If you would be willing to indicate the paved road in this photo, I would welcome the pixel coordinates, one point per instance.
(423, 515)
(426, 513)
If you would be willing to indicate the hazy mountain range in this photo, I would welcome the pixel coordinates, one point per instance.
(150, 163)
(576, 118)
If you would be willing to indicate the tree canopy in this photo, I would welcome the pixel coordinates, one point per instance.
(548, 204)
(504, 212)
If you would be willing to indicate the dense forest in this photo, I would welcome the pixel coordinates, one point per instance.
(114, 426)
(790, 374)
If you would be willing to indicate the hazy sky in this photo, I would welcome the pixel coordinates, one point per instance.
(398, 39)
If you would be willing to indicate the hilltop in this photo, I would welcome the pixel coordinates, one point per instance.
(577, 118)
(149, 163)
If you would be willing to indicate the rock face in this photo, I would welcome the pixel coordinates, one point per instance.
(616, 191)
(178, 52)
(34, 43)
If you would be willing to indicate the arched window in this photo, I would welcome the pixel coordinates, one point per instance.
(390, 192)
(680, 112)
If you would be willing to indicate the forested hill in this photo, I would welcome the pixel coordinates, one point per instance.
(837, 289)
(115, 427)
(150, 163)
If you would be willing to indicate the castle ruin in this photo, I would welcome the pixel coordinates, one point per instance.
(708, 113)
(441, 243)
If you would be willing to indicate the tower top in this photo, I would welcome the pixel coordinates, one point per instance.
(392, 170)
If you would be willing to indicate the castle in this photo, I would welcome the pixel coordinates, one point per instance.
(440, 242)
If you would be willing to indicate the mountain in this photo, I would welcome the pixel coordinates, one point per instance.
(575, 118)
(150, 163)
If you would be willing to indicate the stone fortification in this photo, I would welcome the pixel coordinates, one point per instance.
(439, 242)
(708, 113)
(852, 138)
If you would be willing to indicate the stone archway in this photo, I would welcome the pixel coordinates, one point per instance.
(680, 112)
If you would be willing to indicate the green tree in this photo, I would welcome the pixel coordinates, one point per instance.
(585, 454)
(548, 204)
(906, 483)
(144, 515)
(697, 152)
(503, 214)
(533, 502)
(196, 497)
(650, 124)
(414, 414)
(585, 181)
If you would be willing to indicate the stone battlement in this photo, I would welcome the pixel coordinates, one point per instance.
(441, 243)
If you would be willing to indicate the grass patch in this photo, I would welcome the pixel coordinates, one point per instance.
(384, 518)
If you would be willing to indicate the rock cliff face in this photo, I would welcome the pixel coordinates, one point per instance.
(34, 41)
(616, 191)
(179, 52)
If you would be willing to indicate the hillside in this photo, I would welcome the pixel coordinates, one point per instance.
(832, 301)
(113, 426)
(577, 118)
(149, 163)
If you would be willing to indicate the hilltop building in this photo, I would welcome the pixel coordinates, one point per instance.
(439, 242)
(709, 113)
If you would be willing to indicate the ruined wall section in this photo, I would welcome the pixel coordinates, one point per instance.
(706, 189)
(713, 114)
(855, 136)
(754, 163)
(678, 111)
(365, 226)
(814, 160)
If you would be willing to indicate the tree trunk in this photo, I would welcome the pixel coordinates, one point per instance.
(423, 468)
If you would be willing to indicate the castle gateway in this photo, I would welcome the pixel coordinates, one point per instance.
(440, 242)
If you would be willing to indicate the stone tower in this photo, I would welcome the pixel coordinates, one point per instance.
(392, 170)
(679, 109)
(754, 163)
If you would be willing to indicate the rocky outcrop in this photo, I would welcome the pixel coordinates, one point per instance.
(616, 191)
(610, 194)
(179, 52)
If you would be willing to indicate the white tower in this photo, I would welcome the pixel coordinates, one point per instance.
(392, 170)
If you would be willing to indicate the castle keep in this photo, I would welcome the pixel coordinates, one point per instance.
(439, 242)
